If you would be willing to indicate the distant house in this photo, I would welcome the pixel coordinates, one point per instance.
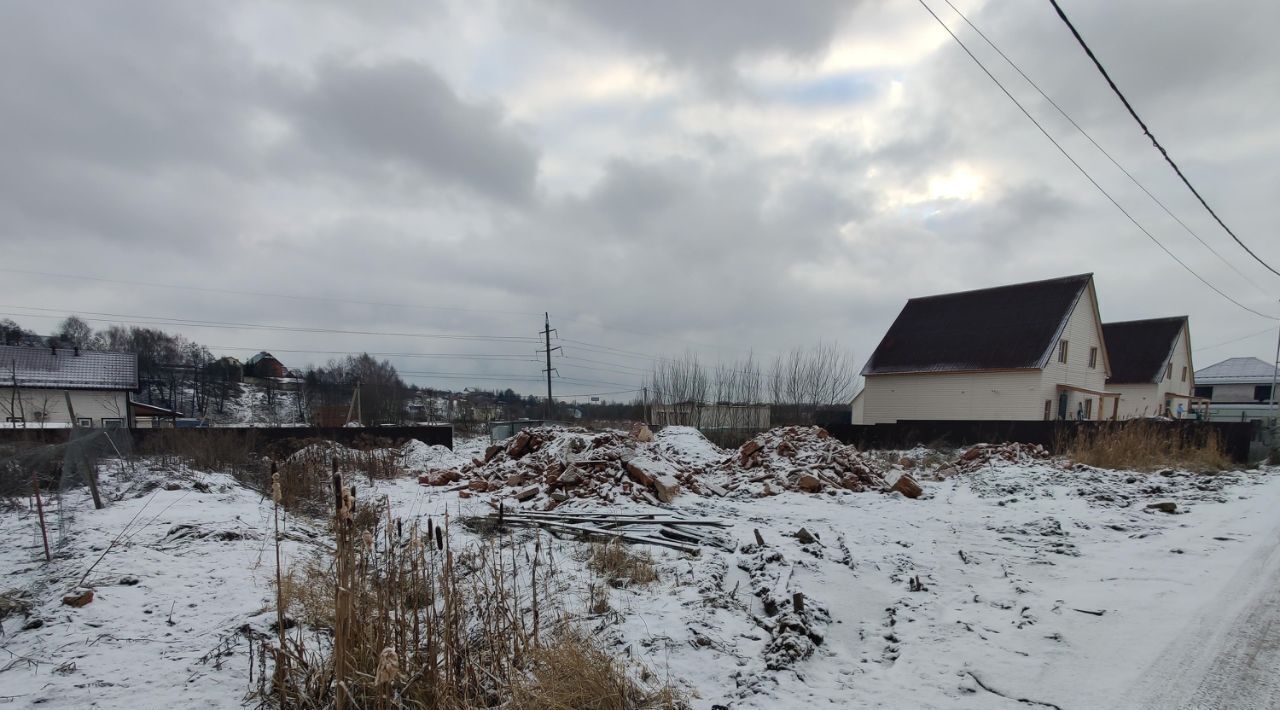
(1151, 365)
(63, 387)
(721, 415)
(1239, 389)
(1022, 352)
(264, 364)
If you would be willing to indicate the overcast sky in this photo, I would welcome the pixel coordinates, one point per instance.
(726, 176)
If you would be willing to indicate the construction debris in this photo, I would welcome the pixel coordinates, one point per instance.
(671, 531)
(980, 455)
(907, 486)
(806, 459)
(542, 468)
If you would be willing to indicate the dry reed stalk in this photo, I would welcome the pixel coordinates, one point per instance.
(282, 662)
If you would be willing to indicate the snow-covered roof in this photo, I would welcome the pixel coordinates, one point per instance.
(260, 357)
(63, 368)
(1242, 370)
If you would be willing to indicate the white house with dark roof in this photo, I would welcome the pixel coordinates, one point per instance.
(63, 387)
(1151, 367)
(1021, 352)
(1239, 389)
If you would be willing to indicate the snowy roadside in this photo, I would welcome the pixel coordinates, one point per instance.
(1031, 578)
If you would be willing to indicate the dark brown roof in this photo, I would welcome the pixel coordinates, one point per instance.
(1139, 349)
(1004, 328)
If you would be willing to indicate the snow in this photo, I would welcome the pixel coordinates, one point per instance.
(418, 457)
(687, 445)
(1016, 560)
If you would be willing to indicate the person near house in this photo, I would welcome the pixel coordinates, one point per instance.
(1180, 410)
(1080, 412)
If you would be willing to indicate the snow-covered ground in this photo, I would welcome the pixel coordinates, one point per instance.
(1037, 582)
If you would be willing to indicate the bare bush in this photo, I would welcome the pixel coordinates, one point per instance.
(619, 565)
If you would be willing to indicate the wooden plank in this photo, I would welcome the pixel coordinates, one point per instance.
(610, 534)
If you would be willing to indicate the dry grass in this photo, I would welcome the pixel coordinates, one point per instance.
(305, 594)
(572, 672)
(405, 617)
(619, 565)
(1144, 446)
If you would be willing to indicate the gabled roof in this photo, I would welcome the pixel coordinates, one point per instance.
(46, 368)
(1003, 328)
(260, 357)
(1140, 349)
(1241, 370)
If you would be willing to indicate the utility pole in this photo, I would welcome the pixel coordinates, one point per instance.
(1271, 406)
(546, 334)
(644, 403)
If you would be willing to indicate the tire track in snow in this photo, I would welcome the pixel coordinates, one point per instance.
(1229, 655)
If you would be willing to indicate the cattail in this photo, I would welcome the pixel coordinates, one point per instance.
(368, 541)
(388, 666)
(276, 495)
(439, 538)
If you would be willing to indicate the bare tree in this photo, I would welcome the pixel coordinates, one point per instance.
(679, 380)
(805, 379)
(76, 333)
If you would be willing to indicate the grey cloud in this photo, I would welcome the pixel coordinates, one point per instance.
(711, 35)
(403, 115)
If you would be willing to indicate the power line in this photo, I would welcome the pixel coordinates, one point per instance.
(1233, 340)
(1102, 150)
(459, 356)
(260, 294)
(595, 394)
(163, 320)
(1079, 167)
(1150, 135)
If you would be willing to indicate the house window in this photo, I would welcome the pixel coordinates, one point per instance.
(1262, 393)
(1088, 409)
(1168, 371)
(1205, 391)
(84, 422)
(15, 420)
(112, 423)
(1048, 408)
(1184, 373)
(1093, 358)
(1062, 351)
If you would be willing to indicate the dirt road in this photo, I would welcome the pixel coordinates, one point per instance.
(1228, 656)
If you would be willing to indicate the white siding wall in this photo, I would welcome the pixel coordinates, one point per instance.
(1236, 392)
(976, 395)
(1139, 400)
(95, 405)
(1082, 333)
(859, 417)
(1181, 363)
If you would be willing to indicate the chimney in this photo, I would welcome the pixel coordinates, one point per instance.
(77, 351)
(53, 350)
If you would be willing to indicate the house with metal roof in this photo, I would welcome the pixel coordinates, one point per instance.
(65, 387)
(263, 365)
(1238, 389)
(1012, 353)
(1151, 367)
